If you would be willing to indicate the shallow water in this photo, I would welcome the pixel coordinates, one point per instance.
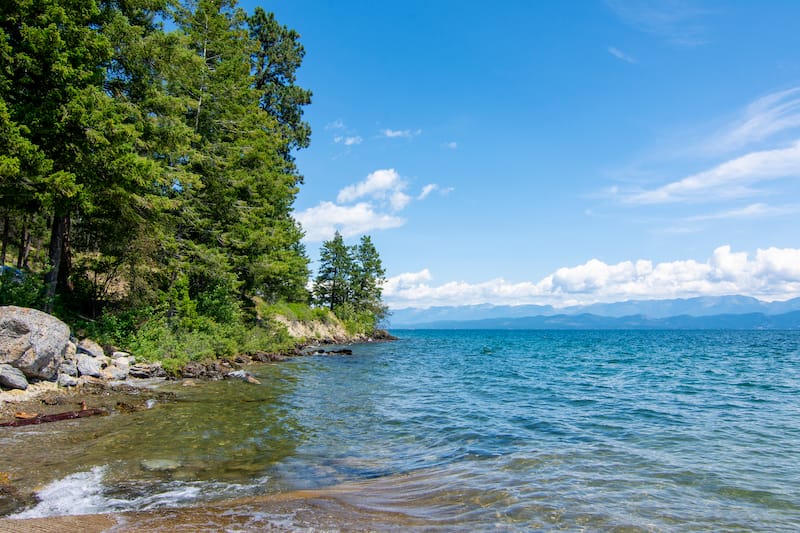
(455, 430)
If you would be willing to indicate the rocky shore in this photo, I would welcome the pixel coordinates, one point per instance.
(45, 370)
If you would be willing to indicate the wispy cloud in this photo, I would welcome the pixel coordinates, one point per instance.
(765, 117)
(731, 179)
(407, 134)
(451, 145)
(769, 274)
(347, 141)
(677, 21)
(426, 190)
(757, 210)
(619, 54)
(342, 134)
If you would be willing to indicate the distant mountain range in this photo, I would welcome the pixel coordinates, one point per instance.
(708, 312)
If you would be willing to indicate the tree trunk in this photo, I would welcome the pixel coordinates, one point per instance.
(5, 239)
(24, 245)
(64, 283)
(57, 231)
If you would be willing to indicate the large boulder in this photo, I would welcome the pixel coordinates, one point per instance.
(32, 341)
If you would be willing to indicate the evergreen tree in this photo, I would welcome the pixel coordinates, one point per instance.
(367, 278)
(236, 227)
(332, 286)
(349, 282)
(276, 59)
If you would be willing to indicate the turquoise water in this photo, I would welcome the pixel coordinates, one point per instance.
(491, 430)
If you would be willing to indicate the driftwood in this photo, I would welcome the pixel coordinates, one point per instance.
(42, 419)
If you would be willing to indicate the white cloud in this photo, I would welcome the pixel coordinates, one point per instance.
(377, 184)
(347, 141)
(727, 180)
(452, 145)
(619, 54)
(335, 125)
(400, 133)
(770, 274)
(381, 191)
(321, 222)
(399, 200)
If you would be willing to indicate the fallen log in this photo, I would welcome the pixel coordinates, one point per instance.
(42, 419)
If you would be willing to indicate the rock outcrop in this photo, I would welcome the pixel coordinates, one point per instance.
(32, 341)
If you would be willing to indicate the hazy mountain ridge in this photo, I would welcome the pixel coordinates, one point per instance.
(715, 312)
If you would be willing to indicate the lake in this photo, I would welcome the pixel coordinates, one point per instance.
(455, 431)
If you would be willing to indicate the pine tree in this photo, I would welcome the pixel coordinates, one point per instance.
(332, 286)
(367, 278)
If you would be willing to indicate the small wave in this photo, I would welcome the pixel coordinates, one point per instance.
(85, 493)
(80, 493)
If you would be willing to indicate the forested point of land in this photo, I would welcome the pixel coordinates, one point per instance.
(147, 175)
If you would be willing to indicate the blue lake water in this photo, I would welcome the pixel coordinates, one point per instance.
(482, 430)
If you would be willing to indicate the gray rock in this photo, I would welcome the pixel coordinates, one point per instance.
(70, 352)
(12, 378)
(65, 380)
(89, 347)
(68, 367)
(145, 370)
(90, 366)
(117, 371)
(244, 376)
(160, 465)
(117, 355)
(32, 341)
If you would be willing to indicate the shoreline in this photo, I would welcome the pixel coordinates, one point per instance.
(47, 397)
(44, 399)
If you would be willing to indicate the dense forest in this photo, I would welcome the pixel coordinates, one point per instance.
(147, 174)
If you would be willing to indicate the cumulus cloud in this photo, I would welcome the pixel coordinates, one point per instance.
(727, 180)
(377, 184)
(400, 133)
(769, 274)
(321, 222)
(619, 54)
(380, 196)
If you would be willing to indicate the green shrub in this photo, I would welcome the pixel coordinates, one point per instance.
(22, 289)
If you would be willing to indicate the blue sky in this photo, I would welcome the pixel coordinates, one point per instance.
(555, 152)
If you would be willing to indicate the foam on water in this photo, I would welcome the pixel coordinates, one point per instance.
(87, 493)
(80, 493)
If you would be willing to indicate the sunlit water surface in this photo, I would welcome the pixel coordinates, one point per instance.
(458, 430)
